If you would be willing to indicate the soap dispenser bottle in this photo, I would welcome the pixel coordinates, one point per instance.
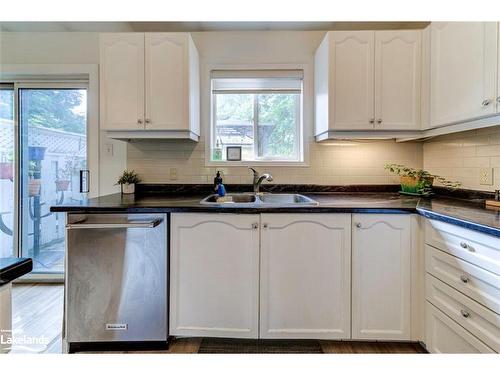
(218, 185)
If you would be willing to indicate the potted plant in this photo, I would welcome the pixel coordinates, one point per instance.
(418, 181)
(34, 182)
(127, 180)
(7, 168)
(64, 175)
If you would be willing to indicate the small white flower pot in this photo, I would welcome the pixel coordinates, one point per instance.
(128, 188)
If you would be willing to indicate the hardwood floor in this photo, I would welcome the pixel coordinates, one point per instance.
(37, 312)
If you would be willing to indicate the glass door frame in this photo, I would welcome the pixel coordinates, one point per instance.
(18, 228)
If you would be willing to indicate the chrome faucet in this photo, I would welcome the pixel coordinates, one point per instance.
(257, 180)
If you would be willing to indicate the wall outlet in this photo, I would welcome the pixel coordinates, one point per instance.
(486, 176)
(173, 173)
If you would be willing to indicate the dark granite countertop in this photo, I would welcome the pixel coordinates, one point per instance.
(469, 214)
(13, 268)
(328, 202)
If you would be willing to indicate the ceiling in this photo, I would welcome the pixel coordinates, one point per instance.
(200, 26)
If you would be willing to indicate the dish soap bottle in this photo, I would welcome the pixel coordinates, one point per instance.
(218, 185)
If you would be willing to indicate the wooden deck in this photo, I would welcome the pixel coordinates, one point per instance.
(38, 311)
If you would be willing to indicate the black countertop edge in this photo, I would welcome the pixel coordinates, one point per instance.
(13, 268)
(429, 214)
(233, 210)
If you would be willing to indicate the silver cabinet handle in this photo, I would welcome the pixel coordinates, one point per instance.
(465, 245)
(265, 225)
(379, 121)
(255, 226)
(464, 279)
(486, 102)
(372, 121)
(464, 313)
(358, 225)
(139, 122)
(148, 121)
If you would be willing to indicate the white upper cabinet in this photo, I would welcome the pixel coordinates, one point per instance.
(367, 80)
(381, 277)
(463, 71)
(397, 79)
(498, 72)
(122, 81)
(344, 79)
(305, 276)
(150, 82)
(171, 82)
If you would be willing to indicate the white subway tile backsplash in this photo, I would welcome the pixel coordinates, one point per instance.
(460, 156)
(332, 164)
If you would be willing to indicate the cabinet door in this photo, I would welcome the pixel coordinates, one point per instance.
(352, 79)
(122, 81)
(498, 71)
(214, 288)
(381, 277)
(305, 276)
(463, 71)
(397, 79)
(443, 335)
(167, 71)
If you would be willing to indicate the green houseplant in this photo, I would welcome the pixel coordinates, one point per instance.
(127, 180)
(418, 181)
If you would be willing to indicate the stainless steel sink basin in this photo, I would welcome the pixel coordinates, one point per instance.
(286, 199)
(231, 199)
(259, 200)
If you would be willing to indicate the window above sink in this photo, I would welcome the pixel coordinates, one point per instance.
(258, 114)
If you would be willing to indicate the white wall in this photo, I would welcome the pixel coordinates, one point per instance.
(338, 163)
(66, 48)
(354, 163)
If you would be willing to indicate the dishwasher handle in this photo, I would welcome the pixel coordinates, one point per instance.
(129, 224)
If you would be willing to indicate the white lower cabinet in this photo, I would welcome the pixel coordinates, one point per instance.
(381, 277)
(289, 276)
(443, 335)
(214, 275)
(305, 276)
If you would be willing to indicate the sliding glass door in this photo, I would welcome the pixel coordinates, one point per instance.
(43, 151)
(7, 171)
(53, 151)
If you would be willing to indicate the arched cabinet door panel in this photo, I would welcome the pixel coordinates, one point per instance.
(381, 276)
(122, 81)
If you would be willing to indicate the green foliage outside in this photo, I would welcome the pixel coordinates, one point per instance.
(277, 119)
(55, 109)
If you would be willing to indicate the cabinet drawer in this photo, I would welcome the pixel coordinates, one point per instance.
(443, 335)
(477, 319)
(474, 247)
(475, 282)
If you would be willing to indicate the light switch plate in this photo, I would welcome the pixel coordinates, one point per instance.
(486, 176)
(109, 149)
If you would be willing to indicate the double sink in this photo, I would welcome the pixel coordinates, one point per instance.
(258, 200)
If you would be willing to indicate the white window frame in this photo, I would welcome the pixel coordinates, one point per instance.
(41, 76)
(305, 121)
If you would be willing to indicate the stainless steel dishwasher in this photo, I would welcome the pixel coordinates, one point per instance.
(116, 281)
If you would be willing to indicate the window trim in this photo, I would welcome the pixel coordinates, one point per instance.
(306, 120)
